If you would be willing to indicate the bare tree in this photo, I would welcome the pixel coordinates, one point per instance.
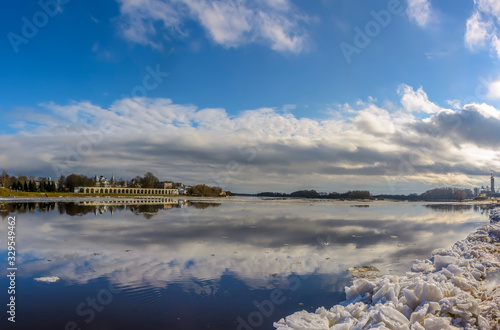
(5, 179)
(149, 180)
(22, 178)
(460, 194)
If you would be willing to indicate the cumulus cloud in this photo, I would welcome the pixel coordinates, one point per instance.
(482, 26)
(229, 23)
(418, 142)
(419, 11)
(475, 124)
(491, 6)
(492, 89)
(478, 31)
(416, 101)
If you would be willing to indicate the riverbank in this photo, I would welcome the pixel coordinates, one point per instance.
(451, 290)
(69, 197)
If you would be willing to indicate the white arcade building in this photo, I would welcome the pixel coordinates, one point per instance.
(130, 191)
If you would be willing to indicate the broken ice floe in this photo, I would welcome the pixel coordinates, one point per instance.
(443, 292)
(48, 279)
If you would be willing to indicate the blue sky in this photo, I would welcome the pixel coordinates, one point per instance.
(391, 96)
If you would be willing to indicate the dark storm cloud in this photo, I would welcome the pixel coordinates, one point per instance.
(470, 125)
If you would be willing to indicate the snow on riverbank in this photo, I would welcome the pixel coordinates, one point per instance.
(446, 291)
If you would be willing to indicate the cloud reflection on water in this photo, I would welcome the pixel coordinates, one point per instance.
(251, 241)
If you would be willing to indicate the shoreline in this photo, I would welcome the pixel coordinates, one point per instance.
(447, 291)
(65, 196)
(69, 199)
(264, 200)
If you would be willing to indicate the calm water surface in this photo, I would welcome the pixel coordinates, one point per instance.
(239, 263)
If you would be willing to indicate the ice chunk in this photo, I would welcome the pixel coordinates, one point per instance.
(391, 317)
(423, 292)
(441, 262)
(438, 323)
(48, 279)
(455, 270)
(443, 292)
(359, 286)
(419, 314)
(423, 266)
(302, 320)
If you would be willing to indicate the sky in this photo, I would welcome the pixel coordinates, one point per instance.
(265, 95)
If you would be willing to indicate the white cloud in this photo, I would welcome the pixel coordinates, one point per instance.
(478, 31)
(278, 30)
(416, 101)
(455, 104)
(138, 18)
(375, 121)
(419, 11)
(229, 23)
(494, 90)
(489, 6)
(482, 26)
(486, 110)
(495, 45)
(260, 149)
(226, 22)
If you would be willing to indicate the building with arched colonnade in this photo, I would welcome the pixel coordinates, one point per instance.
(126, 191)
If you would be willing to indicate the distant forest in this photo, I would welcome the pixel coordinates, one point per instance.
(356, 194)
(437, 194)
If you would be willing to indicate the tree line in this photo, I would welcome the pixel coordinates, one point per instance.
(68, 183)
(25, 183)
(436, 194)
(205, 191)
(22, 182)
(356, 194)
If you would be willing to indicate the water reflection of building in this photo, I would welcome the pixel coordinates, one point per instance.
(102, 207)
(146, 206)
(126, 201)
(127, 191)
